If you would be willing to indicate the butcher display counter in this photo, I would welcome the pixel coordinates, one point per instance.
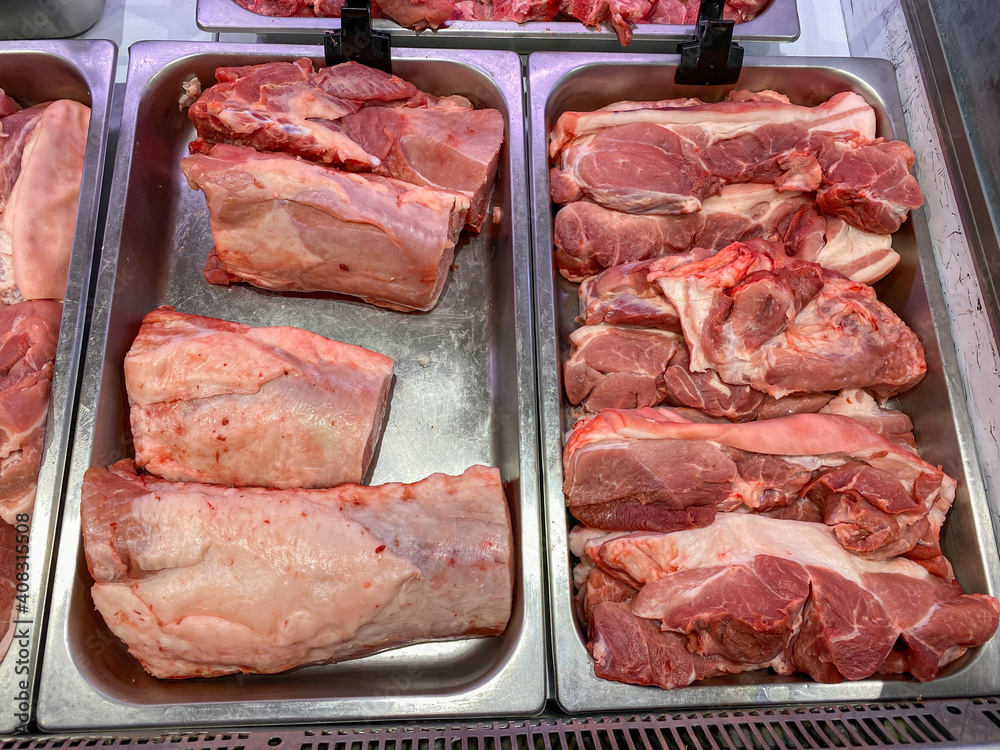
(98, 696)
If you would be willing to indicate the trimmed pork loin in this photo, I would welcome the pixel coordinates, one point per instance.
(202, 581)
(590, 238)
(29, 333)
(224, 403)
(657, 470)
(359, 118)
(679, 156)
(752, 593)
(42, 151)
(286, 224)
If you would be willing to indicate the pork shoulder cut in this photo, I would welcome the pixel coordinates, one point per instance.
(645, 469)
(753, 593)
(202, 581)
(224, 403)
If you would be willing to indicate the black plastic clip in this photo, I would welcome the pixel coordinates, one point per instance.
(713, 58)
(357, 41)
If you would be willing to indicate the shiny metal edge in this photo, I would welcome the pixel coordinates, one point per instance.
(578, 689)
(519, 688)
(778, 23)
(95, 62)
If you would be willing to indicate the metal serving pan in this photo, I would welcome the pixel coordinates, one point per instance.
(937, 406)
(33, 72)
(779, 22)
(464, 394)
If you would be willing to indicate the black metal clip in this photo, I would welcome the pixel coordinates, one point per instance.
(357, 41)
(713, 58)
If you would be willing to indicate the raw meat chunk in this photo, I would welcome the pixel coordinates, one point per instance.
(615, 367)
(677, 157)
(783, 325)
(622, 294)
(286, 224)
(42, 150)
(224, 403)
(418, 14)
(357, 117)
(202, 581)
(443, 148)
(880, 498)
(29, 332)
(753, 593)
(590, 238)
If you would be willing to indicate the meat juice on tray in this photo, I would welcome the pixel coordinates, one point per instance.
(41, 166)
(745, 500)
(240, 538)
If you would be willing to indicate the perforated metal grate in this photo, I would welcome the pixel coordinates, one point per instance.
(953, 723)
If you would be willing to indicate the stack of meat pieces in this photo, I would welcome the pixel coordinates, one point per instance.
(251, 546)
(725, 253)
(433, 14)
(345, 180)
(42, 151)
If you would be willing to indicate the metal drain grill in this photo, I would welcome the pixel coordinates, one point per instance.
(953, 723)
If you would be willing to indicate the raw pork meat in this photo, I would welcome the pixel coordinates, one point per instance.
(754, 593)
(623, 294)
(224, 403)
(624, 469)
(202, 581)
(783, 325)
(277, 8)
(448, 149)
(669, 160)
(7, 105)
(42, 151)
(286, 224)
(590, 238)
(357, 117)
(8, 554)
(418, 14)
(29, 332)
(615, 367)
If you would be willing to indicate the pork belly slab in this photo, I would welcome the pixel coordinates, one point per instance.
(590, 238)
(646, 469)
(357, 117)
(678, 156)
(29, 333)
(42, 151)
(202, 581)
(753, 593)
(286, 224)
(225, 403)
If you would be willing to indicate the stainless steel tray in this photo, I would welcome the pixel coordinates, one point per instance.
(938, 407)
(779, 22)
(33, 72)
(464, 394)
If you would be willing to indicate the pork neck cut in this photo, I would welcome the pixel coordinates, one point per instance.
(622, 468)
(590, 238)
(202, 581)
(224, 403)
(29, 333)
(783, 325)
(286, 224)
(752, 593)
(670, 159)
